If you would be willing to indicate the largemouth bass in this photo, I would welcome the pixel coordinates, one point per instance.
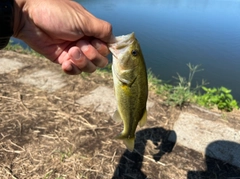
(130, 86)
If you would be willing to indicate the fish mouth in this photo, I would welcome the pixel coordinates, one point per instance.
(120, 44)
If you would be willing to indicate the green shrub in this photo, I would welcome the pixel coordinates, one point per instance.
(220, 97)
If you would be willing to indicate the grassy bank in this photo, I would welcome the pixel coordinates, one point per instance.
(181, 94)
(184, 92)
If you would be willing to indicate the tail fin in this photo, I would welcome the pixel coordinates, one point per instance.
(129, 142)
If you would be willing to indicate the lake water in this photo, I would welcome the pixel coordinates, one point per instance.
(173, 33)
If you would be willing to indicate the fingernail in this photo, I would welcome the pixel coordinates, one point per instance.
(96, 44)
(84, 48)
(83, 45)
(77, 55)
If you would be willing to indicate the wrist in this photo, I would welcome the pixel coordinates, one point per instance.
(18, 16)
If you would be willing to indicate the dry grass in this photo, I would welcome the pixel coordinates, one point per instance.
(50, 136)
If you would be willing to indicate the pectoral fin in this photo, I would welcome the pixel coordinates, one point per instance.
(143, 121)
(117, 117)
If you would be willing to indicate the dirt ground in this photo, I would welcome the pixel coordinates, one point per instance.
(50, 136)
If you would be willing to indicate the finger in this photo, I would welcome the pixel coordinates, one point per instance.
(100, 46)
(92, 54)
(79, 60)
(70, 68)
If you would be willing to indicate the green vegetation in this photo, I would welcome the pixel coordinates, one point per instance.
(220, 97)
(20, 49)
(183, 92)
(180, 94)
(107, 69)
(157, 85)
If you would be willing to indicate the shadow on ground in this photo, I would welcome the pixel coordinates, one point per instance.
(216, 168)
(130, 163)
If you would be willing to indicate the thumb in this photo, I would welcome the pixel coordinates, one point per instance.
(97, 28)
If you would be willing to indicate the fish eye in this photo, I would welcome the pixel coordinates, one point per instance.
(134, 52)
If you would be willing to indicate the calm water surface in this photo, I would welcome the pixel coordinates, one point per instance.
(173, 33)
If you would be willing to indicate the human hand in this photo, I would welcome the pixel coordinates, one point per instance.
(64, 32)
